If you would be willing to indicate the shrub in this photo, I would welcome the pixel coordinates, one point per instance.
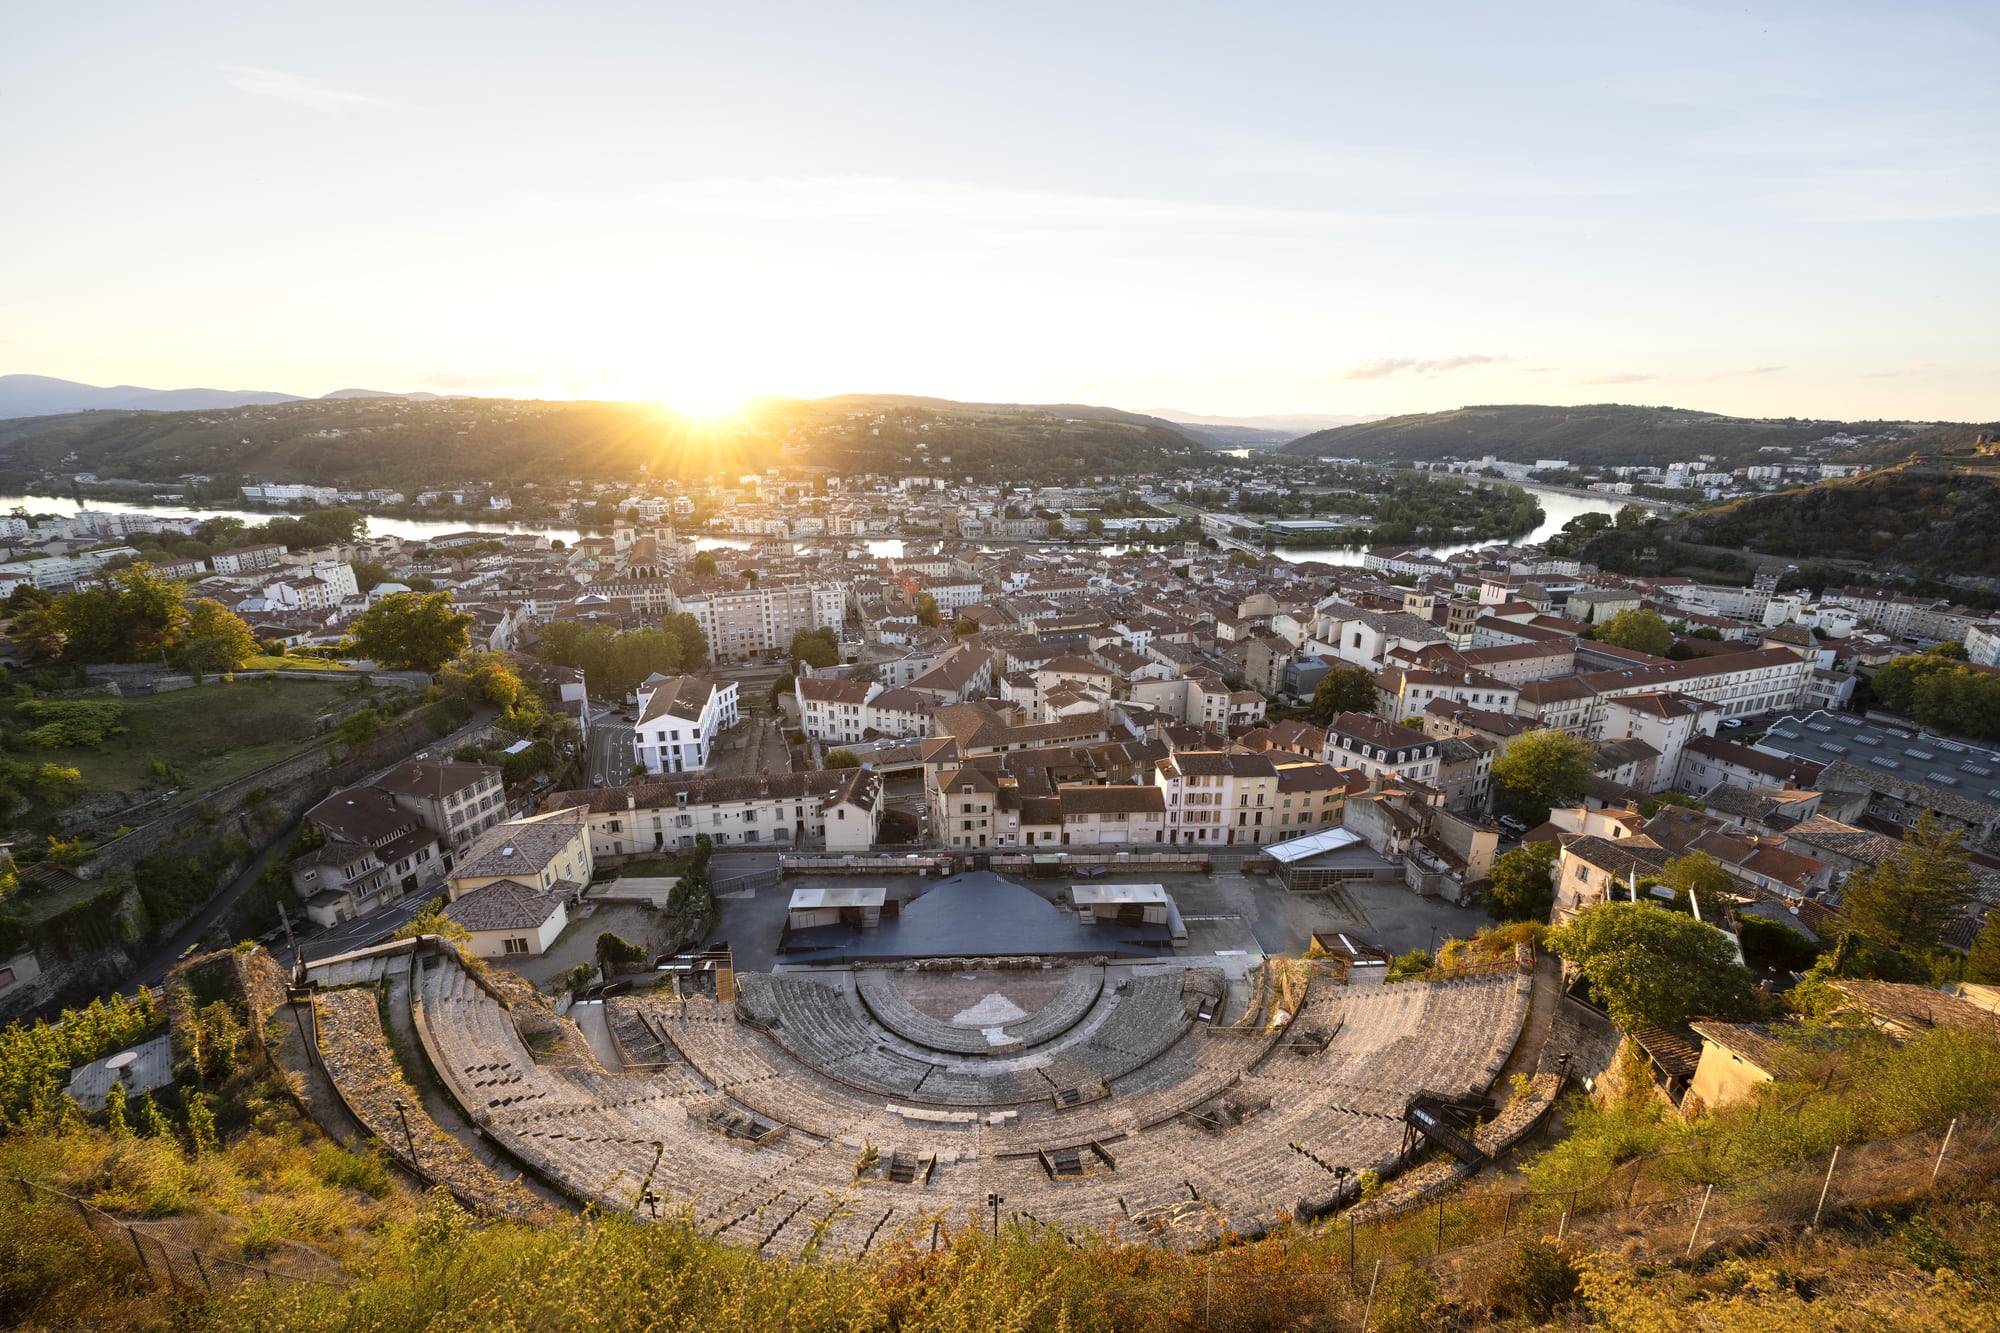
(1406, 1302)
(1772, 944)
(1537, 1279)
(1405, 966)
(261, 1234)
(362, 1171)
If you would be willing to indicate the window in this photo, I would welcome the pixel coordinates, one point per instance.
(515, 945)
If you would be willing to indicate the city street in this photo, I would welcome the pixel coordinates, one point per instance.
(608, 753)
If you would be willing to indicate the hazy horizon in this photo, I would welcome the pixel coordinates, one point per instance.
(1285, 211)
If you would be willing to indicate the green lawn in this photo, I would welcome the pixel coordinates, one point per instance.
(212, 734)
(655, 867)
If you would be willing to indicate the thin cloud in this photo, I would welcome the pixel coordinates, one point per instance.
(1392, 367)
(1746, 371)
(1904, 373)
(294, 88)
(871, 198)
(1621, 377)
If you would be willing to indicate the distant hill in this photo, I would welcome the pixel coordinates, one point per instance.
(1250, 432)
(409, 443)
(1606, 433)
(43, 395)
(382, 393)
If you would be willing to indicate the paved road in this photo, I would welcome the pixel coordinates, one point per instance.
(155, 969)
(379, 925)
(609, 751)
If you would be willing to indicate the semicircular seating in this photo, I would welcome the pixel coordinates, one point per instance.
(765, 1135)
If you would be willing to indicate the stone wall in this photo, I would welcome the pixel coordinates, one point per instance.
(262, 807)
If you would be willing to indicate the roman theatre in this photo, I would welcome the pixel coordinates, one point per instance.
(827, 1109)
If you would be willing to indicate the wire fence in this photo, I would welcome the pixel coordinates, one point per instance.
(1462, 1243)
(1352, 1274)
(172, 1261)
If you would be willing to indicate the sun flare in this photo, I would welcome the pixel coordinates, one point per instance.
(703, 402)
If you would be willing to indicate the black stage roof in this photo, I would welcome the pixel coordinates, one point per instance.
(977, 915)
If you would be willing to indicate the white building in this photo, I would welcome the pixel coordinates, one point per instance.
(847, 712)
(841, 809)
(679, 718)
(509, 920)
(1378, 748)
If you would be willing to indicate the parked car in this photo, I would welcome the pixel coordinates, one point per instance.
(1732, 723)
(1512, 825)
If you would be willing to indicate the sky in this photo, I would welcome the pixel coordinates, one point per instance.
(1783, 209)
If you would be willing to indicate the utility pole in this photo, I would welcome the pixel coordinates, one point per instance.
(646, 1195)
(402, 1113)
(298, 962)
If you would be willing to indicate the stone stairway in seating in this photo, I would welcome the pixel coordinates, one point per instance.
(763, 1138)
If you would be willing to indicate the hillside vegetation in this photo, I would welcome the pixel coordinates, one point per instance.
(1604, 433)
(1920, 520)
(1594, 1231)
(393, 442)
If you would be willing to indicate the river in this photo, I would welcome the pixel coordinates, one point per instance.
(1558, 507)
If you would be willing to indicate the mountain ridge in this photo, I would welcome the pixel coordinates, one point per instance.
(1597, 433)
(48, 395)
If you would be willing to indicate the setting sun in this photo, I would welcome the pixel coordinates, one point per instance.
(711, 401)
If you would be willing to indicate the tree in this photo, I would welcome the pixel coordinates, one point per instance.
(1094, 526)
(1909, 897)
(217, 638)
(704, 563)
(357, 729)
(432, 921)
(1524, 885)
(38, 633)
(114, 1111)
(1982, 965)
(222, 533)
(1650, 967)
(1641, 631)
(964, 627)
(1056, 528)
(134, 615)
(927, 611)
(412, 631)
(201, 1124)
(842, 759)
(1702, 878)
(815, 648)
(1343, 689)
(1540, 770)
(368, 574)
(690, 642)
